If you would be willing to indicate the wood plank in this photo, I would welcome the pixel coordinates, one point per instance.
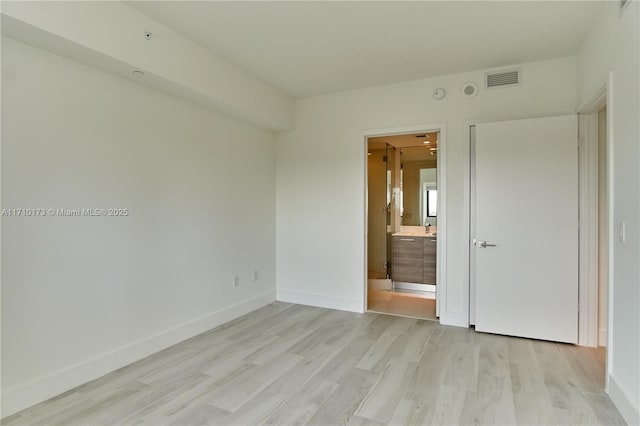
(292, 364)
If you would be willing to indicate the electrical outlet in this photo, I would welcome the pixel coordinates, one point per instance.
(255, 275)
(236, 281)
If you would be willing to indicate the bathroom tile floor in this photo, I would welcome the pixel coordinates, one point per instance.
(383, 298)
(402, 302)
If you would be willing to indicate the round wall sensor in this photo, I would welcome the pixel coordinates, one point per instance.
(439, 93)
(137, 73)
(469, 90)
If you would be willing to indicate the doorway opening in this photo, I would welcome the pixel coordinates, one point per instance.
(603, 231)
(596, 227)
(402, 224)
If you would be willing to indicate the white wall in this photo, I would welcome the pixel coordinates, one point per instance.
(614, 45)
(320, 176)
(82, 296)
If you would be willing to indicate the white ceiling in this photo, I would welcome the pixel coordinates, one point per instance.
(309, 48)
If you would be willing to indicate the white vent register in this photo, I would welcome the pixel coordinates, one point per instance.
(503, 78)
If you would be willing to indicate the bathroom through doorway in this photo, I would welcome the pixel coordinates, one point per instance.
(402, 224)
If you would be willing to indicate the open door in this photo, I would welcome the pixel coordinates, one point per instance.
(526, 222)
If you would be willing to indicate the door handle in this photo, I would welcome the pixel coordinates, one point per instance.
(483, 244)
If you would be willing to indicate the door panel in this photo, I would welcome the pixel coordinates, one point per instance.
(526, 202)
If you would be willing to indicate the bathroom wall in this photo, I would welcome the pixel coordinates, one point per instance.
(377, 223)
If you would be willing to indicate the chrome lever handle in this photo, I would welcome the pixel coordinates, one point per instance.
(483, 244)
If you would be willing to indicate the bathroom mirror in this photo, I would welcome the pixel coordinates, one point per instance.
(419, 186)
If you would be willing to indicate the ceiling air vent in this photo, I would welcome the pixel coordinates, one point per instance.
(503, 78)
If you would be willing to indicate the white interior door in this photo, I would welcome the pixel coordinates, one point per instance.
(526, 221)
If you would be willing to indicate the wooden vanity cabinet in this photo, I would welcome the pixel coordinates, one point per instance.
(429, 260)
(407, 259)
(414, 259)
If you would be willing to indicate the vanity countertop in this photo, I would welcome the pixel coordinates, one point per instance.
(413, 234)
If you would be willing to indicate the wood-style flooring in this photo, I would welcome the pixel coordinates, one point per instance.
(288, 364)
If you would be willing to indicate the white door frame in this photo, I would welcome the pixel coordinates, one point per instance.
(588, 328)
(469, 127)
(588, 234)
(588, 313)
(441, 271)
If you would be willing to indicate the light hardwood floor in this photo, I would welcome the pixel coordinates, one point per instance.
(292, 364)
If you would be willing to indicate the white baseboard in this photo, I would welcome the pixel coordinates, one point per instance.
(602, 337)
(620, 398)
(24, 396)
(320, 300)
(455, 319)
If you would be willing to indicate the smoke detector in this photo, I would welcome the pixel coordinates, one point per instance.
(439, 93)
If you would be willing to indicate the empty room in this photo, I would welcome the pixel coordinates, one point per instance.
(320, 212)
